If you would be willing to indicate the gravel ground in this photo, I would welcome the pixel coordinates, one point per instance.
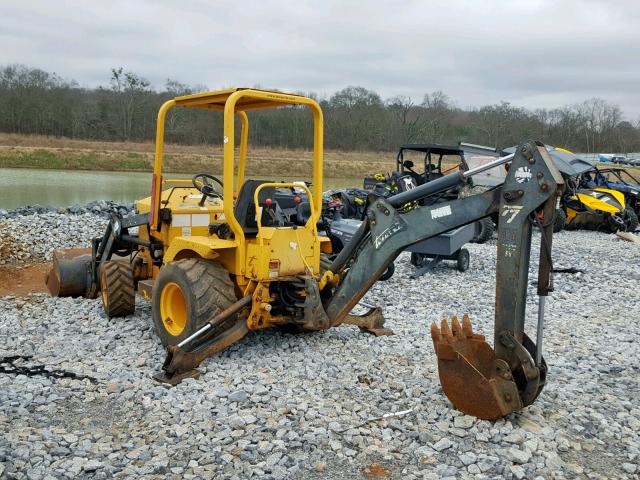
(305, 406)
(29, 234)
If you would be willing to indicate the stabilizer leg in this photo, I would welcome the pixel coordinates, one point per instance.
(371, 322)
(180, 364)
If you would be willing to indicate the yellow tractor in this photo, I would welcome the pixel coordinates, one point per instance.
(226, 238)
(221, 257)
(203, 243)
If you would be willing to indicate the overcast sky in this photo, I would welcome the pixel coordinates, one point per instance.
(530, 53)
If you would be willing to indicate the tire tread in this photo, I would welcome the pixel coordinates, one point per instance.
(211, 287)
(121, 294)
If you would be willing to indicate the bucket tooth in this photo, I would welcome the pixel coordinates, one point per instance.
(474, 380)
(435, 332)
(467, 329)
(455, 327)
(445, 330)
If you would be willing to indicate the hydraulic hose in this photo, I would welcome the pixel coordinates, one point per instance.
(436, 186)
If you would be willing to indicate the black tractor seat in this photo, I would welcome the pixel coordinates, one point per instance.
(245, 209)
(303, 213)
(273, 215)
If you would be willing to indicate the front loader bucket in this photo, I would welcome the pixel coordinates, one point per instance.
(474, 380)
(70, 274)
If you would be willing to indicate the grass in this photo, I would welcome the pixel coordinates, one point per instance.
(42, 158)
(35, 151)
(31, 151)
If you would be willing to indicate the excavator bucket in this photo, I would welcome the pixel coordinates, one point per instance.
(70, 274)
(474, 380)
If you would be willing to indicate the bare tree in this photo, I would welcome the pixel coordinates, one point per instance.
(129, 89)
(407, 117)
(438, 114)
(33, 101)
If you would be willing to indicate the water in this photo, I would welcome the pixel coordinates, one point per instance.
(20, 187)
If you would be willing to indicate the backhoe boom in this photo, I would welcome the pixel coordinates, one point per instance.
(477, 380)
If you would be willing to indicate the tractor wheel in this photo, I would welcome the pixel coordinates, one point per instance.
(388, 273)
(631, 219)
(186, 295)
(462, 262)
(486, 231)
(561, 219)
(417, 259)
(117, 288)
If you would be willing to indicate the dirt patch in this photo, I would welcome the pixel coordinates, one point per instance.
(23, 280)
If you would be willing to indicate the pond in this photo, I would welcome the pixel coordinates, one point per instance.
(20, 187)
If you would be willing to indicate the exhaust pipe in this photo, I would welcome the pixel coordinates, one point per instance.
(71, 274)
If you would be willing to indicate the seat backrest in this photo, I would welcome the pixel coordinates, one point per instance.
(286, 199)
(303, 212)
(245, 209)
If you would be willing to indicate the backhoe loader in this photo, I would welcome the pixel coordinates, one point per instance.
(219, 258)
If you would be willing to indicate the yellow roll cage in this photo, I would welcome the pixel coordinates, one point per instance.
(232, 101)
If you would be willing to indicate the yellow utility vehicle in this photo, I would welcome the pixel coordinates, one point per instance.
(596, 209)
(584, 205)
(220, 257)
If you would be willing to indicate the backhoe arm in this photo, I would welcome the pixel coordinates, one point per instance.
(390, 232)
(476, 379)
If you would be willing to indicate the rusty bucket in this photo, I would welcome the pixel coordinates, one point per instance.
(474, 380)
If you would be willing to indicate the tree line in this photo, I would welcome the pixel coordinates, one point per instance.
(33, 101)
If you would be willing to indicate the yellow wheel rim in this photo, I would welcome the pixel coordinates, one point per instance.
(103, 288)
(173, 309)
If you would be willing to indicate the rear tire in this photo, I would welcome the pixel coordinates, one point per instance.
(117, 289)
(186, 295)
(388, 273)
(417, 259)
(560, 220)
(631, 219)
(463, 260)
(486, 231)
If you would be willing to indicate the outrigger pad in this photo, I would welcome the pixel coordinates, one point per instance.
(370, 322)
(474, 380)
(174, 380)
(180, 364)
